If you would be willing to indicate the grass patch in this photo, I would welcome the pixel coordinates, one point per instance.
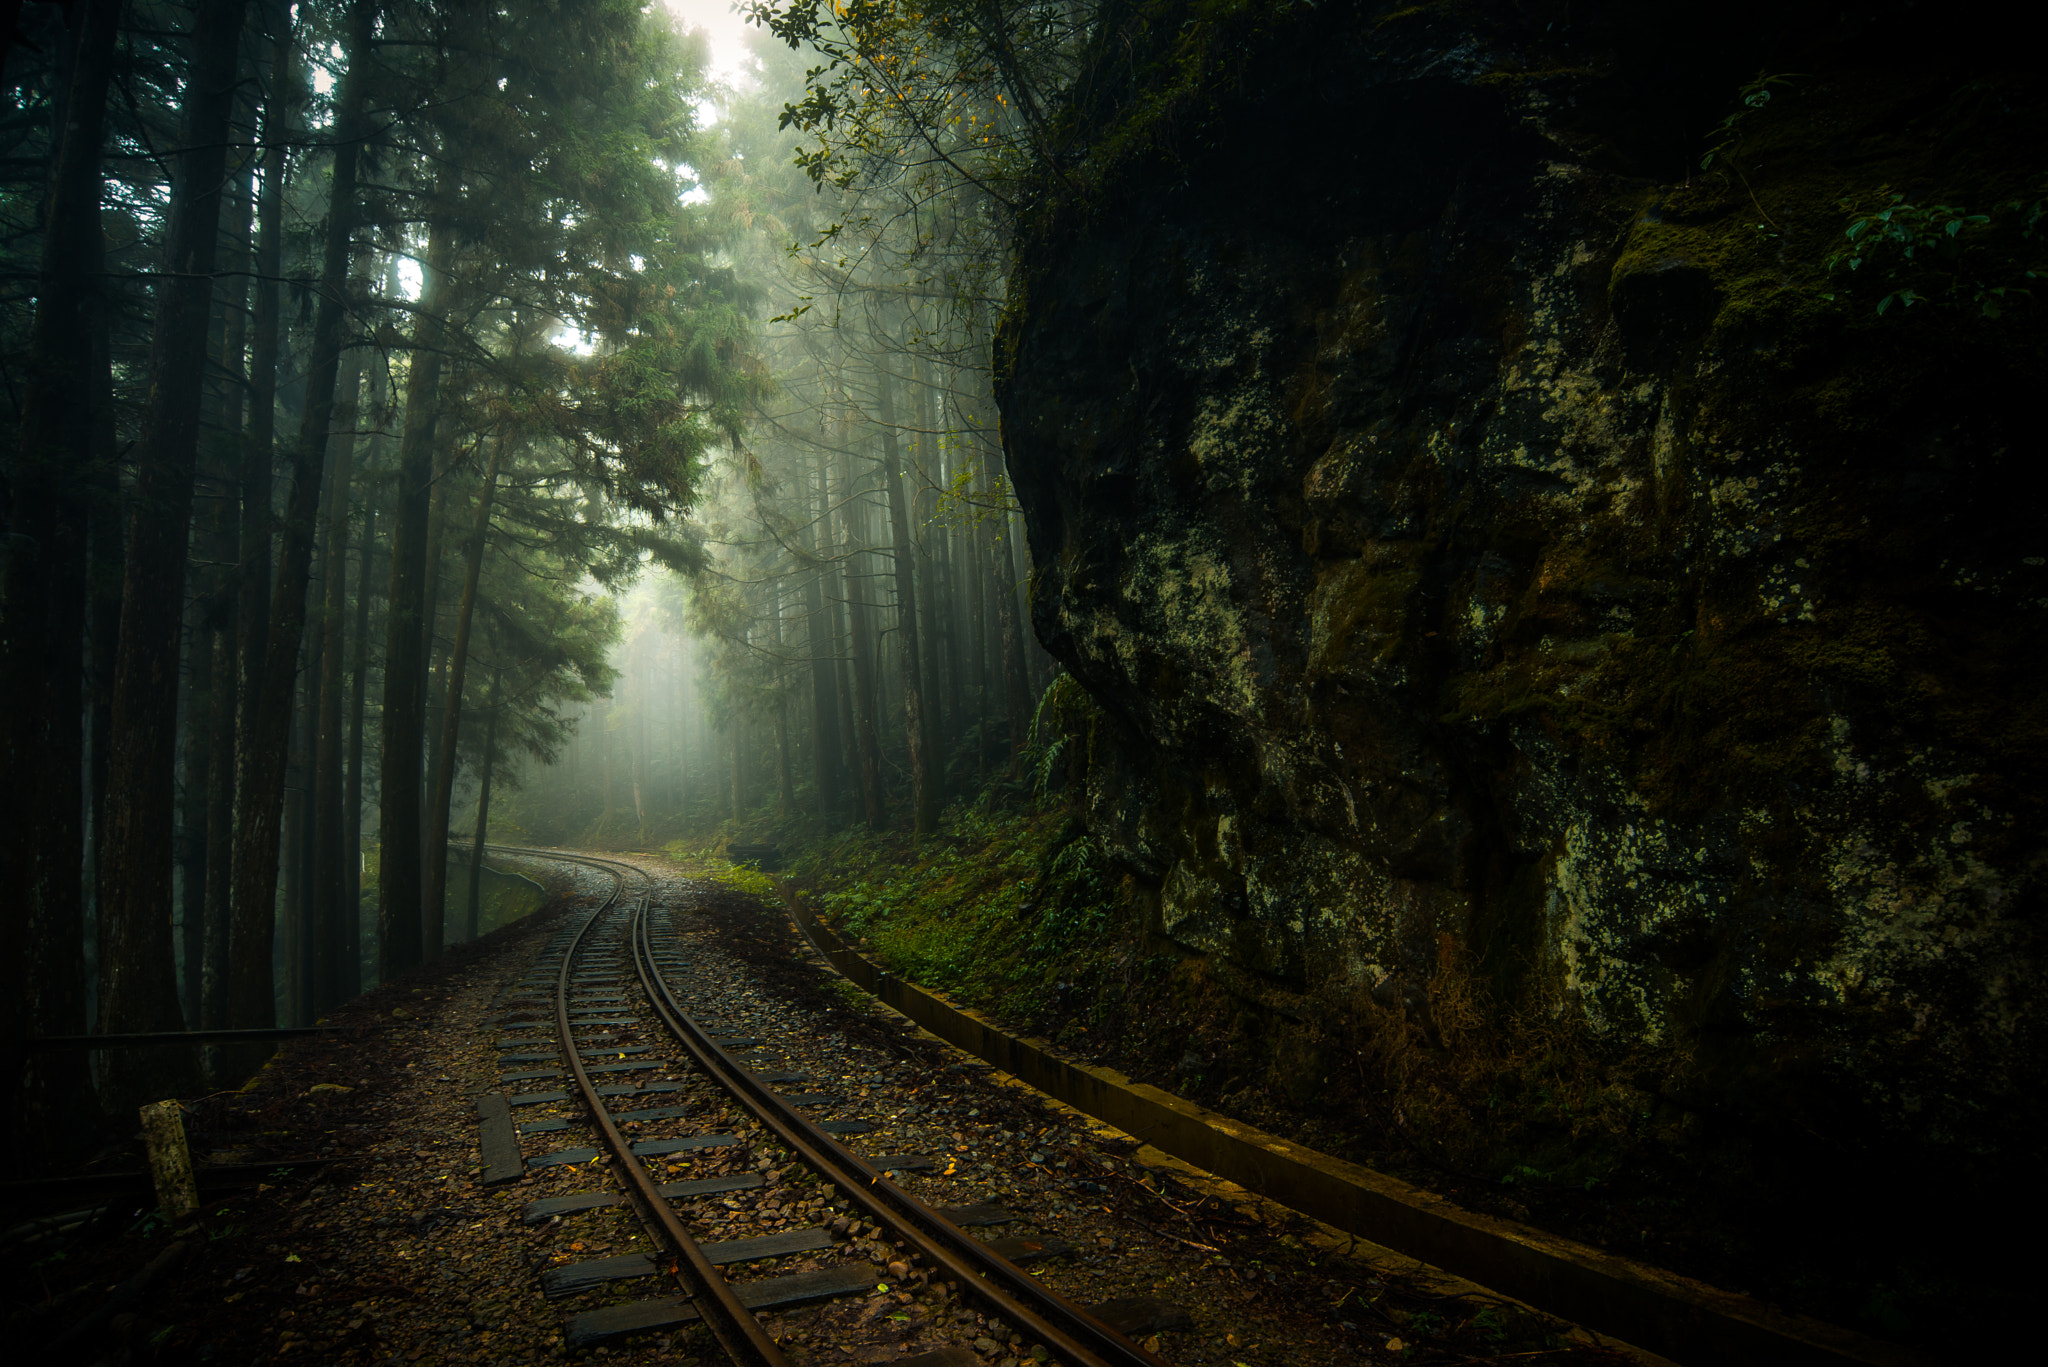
(1001, 908)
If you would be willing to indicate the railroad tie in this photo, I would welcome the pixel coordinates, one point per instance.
(1020, 1250)
(951, 1356)
(562, 1158)
(558, 1282)
(901, 1162)
(548, 1126)
(667, 1312)
(497, 1141)
(654, 1148)
(642, 1089)
(980, 1213)
(548, 1207)
(1136, 1316)
(652, 1113)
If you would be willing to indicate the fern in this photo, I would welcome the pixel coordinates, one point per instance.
(1063, 710)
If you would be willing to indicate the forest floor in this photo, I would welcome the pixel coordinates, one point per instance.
(391, 1252)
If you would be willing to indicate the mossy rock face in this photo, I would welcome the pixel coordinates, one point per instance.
(1522, 584)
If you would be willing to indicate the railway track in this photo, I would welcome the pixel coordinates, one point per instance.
(630, 1027)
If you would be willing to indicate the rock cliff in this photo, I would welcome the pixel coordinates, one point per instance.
(1536, 608)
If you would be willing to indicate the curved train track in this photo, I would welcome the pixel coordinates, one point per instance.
(621, 950)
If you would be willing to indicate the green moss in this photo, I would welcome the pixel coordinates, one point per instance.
(993, 908)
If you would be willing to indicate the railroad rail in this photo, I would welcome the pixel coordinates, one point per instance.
(626, 928)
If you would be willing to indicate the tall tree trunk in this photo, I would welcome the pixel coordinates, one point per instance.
(1016, 690)
(107, 554)
(686, 723)
(138, 990)
(197, 768)
(348, 981)
(436, 843)
(739, 804)
(483, 811)
(820, 645)
(867, 742)
(932, 572)
(42, 619)
(329, 879)
(398, 822)
(259, 449)
(842, 680)
(260, 780)
(433, 704)
(433, 692)
(643, 749)
(304, 953)
(290, 929)
(213, 588)
(917, 728)
(685, 716)
(220, 824)
(352, 953)
(604, 755)
(231, 519)
(977, 597)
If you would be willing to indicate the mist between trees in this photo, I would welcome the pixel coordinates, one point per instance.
(360, 356)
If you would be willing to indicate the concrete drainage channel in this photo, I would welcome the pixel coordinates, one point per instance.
(1652, 1310)
(611, 1019)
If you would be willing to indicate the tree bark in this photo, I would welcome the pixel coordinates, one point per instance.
(398, 824)
(436, 844)
(107, 554)
(1016, 691)
(866, 740)
(821, 647)
(349, 957)
(290, 925)
(483, 812)
(260, 786)
(252, 596)
(351, 963)
(917, 727)
(738, 767)
(138, 990)
(943, 667)
(329, 879)
(213, 588)
(433, 705)
(42, 619)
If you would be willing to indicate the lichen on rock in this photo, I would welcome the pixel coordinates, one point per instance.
(1530, 597)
